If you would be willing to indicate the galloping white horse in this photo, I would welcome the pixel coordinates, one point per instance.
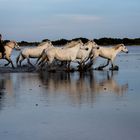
(62, 54)
(109, 53)
(42, 57)
(8, 50)
(84, 55)
(32, 52)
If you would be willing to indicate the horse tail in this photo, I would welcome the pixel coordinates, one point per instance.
(40, 57)
(44, 58)
(43, 61)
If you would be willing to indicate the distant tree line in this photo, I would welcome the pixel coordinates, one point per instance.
(101, 41)
(112, 41)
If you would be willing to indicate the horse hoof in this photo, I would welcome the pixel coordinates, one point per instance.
(98, 68)
(115, 68)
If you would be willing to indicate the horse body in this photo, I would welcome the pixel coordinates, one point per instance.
(109, 53)
(63, 54)
(43, 56)
(68, 54)
(32, 52)
(8, 50)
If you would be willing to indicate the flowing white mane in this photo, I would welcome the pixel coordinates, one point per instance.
(43, 43)
(118, 46)
(72, 44)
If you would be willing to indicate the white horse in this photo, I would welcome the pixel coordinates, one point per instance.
(8, 50)
(110, 54)
(34, 52)
(64, 54)
(84, 55)
(43, 58)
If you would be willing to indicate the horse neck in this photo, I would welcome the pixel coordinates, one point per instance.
(90, 47)
(8, 48)
(118, 50)
(70, 45)
(76, 48)
(10, 45)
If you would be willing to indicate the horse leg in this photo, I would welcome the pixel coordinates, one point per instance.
(20, 58)
(113, 67)
(101, 67)
(68, 67)
(42, 61)
(106, 63)
(17, 60)
(9, 61)
(41, 57)
(39, 60)
(28, 60)
(80, 66)
(89, 64)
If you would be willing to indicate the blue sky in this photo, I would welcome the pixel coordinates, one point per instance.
(35, 20)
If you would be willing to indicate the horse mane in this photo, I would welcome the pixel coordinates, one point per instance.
(9, 42)
(89, 41)
(118, 46)
(43, 43)
(72, 44)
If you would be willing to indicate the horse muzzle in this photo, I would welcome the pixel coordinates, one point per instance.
(17, 48)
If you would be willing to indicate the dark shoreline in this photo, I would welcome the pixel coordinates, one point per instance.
(102, 41)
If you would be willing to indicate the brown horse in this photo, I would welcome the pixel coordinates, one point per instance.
(8, 50)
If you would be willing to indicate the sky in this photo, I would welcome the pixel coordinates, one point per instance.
(35, 20)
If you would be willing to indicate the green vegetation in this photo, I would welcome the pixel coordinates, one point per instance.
(112, 41)
(101, 41)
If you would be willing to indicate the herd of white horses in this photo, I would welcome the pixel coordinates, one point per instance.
(74, 51)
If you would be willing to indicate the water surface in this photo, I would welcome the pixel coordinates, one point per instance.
(99, 105)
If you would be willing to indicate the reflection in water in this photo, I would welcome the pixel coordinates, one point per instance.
(82, 87)
(2, 87)
(109, 84)
(76, 88)
(6, 87)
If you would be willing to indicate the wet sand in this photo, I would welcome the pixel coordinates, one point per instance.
(95, 105)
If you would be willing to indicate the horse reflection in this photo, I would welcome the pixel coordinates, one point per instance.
(109, 84)
(81, 87)
(2, 86)
(6, 88)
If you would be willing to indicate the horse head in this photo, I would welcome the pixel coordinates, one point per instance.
(16, 45)
(122, 47)
(13, 44)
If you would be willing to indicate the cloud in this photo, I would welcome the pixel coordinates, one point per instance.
(79, 18)
(69, 20)
(69, 25)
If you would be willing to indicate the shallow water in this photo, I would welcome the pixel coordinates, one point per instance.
(99, 105)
